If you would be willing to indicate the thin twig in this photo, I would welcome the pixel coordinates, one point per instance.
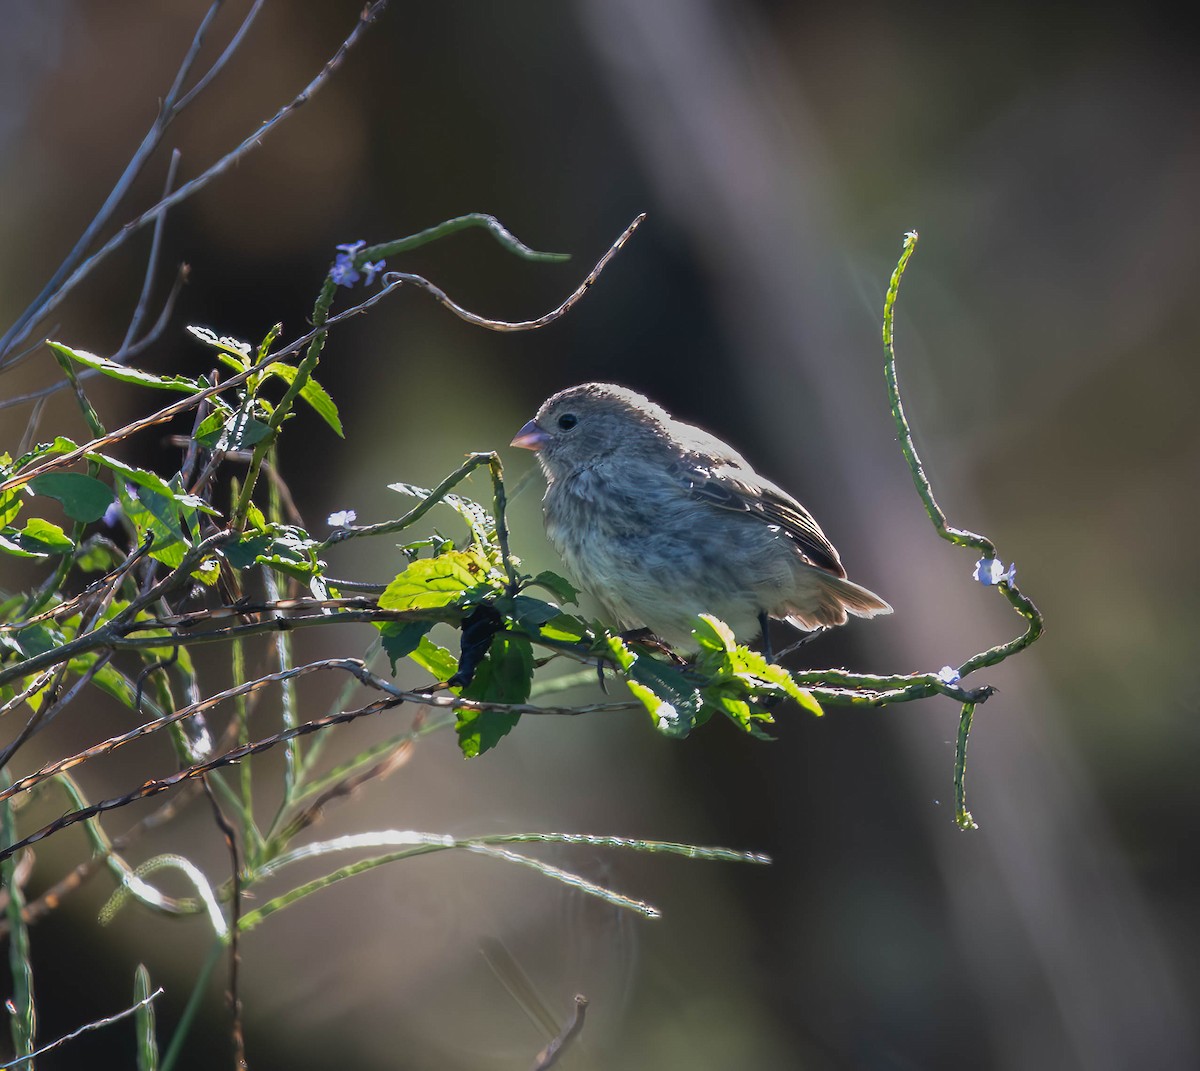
(56, 289)
(107, 1021)
(548, 1057)
(139, 312)
(44, 307)
(395, 278)
(235, 911)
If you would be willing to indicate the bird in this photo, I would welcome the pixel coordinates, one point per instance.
(661, 521)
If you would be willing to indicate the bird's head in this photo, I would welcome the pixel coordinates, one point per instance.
(580, 425)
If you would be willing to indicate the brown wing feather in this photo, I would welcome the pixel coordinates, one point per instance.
(735, 488)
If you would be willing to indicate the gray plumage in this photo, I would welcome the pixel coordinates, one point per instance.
(661, 521)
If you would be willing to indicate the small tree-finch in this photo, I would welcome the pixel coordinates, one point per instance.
(661, 521)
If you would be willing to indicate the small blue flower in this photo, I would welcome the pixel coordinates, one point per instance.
(948, 675)
(113, 514)
(989, 571)
(373, 269)
(342, 518)
(343, 272)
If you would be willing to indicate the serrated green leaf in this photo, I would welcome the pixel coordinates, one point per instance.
(620, 652)
(432, 582)
(561, 588)
(746, 716)
(313, 393)
(665, 716)
(480, 522)
(322, 404)
(83, 498)
(504, 676)
(753, 663)
(244, 552)
(712, 634)
(434, 659)
(673, 688)
(124, 374)
(400, 638)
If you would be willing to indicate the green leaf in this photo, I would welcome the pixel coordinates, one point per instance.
(83, 498)
(238, 350)
(244, 552)
(567, 628)
(95, 557)
(713, 634)
(436, 660)
(124, 374)
(400, 638)
(666, 717)
(754, 664)
(39, 538)
(679, 705)
(441, 581)
(561, 588)
(10, 505)
(159, 515)
(34, 640)
(312, 392)
(231, 431)
(619, 651)
(504, 676)
(481, 523)
(528, 612)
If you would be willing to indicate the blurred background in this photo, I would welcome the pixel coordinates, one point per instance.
(1046, 338)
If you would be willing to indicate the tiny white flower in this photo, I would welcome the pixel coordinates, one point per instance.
(342, 518)
(989, 571)
(948, 675)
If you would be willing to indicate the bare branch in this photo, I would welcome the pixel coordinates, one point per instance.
(396, 278)
(56, 292)
(25, 1061)
(548, 1057)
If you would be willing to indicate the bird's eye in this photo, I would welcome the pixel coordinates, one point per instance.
(567, 421)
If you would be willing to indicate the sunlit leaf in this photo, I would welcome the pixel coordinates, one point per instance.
(124, 374)
(433, 582)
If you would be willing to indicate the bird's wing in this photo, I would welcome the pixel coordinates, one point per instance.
(732, 484)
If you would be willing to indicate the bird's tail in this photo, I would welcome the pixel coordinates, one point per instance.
(838, 598)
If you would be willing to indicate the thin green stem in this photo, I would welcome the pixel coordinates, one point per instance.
(962, 816)
(924, 488)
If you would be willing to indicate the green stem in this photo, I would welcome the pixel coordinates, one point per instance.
(192, 1007)
(962, 816)
(924, 488)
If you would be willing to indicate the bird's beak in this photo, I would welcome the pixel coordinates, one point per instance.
(531, 437)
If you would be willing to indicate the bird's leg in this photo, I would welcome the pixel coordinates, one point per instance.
(763, 622)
